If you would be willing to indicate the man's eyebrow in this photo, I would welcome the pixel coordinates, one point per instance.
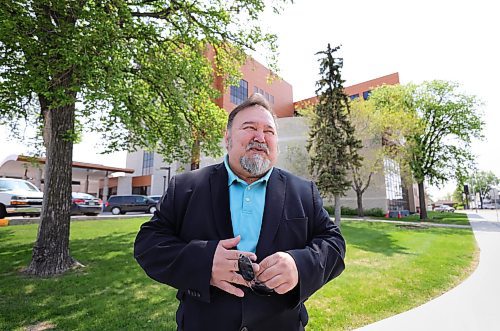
(255, 123)
(248, 122)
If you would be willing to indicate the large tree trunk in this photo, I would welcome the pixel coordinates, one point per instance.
(337, 209)
(51, 251)
(359, 196)
(421, 198)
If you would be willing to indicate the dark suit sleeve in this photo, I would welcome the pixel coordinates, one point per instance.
(323, 257)
(165, 257)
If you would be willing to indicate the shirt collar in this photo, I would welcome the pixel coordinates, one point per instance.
(232, 177)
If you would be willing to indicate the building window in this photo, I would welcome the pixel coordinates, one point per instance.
(269, 97)
(147, 162)
(141, 190)
(354, 96)
(397, 198)
(239, 93)
(366, 94)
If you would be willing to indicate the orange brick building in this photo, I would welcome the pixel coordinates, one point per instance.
(152, 175)
(255, 79)
(361, 90)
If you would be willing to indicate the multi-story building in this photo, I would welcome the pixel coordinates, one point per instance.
(387, 189)
(146, 173)
(152, 175)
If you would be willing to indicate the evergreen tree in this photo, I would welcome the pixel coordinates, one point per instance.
(332, 144)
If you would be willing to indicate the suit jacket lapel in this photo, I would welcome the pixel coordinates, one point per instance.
(220, 202)
(273, 211)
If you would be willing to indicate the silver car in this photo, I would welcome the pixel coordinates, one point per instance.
(444, 208)
(19, 197)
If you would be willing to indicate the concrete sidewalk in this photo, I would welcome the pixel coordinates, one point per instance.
(472, 305)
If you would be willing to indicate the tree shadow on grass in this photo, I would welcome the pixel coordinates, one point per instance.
(12, 256)
(5, 234)
(379, 238)
(110, 293)
(371, 237)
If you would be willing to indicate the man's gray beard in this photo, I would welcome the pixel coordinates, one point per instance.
(255, 165)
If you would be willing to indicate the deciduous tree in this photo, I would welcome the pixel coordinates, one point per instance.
(446, 120)
(137, 71)
(483, 182)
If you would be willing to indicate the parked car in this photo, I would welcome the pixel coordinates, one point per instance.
(444, 208)
(19, 197)
(490, 206)
(121, 204)
(155, 197)
(86, 204)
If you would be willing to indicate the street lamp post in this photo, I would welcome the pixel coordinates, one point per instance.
(165, 177)
(495, 197)
(473, 179)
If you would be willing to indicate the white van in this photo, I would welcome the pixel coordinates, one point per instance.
(19, 197)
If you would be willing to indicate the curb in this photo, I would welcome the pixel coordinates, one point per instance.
(36, 220)
(418, 224)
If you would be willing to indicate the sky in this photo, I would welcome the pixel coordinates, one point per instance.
(421, 40)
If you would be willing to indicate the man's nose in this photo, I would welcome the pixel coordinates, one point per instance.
(259, 136)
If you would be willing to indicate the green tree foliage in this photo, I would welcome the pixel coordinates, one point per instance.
(381, 126)
(332, 144)
(374, 127)
(140, 72)
(458, 196)
(437, 146)
(483, 182)
(368, 131)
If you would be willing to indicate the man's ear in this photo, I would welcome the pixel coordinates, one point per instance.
(226, 139)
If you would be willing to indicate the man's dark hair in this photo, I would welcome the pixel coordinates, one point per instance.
(255, 99)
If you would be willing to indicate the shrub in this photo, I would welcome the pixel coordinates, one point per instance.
(329, 209)
(347, 211)
(376, 212)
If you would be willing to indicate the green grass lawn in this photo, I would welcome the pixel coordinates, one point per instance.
(456, 218)
(390, 268)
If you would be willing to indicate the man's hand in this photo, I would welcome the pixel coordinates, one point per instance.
(279, 272)
(225, 266)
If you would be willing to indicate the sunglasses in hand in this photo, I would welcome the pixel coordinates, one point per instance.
(246, 271)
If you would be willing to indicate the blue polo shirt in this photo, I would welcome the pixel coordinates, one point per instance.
(247, 207)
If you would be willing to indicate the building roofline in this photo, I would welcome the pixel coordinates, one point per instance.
(368, 82)
(314, 99)
(75, 164)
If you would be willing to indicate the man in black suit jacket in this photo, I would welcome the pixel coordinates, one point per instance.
(190, 242)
